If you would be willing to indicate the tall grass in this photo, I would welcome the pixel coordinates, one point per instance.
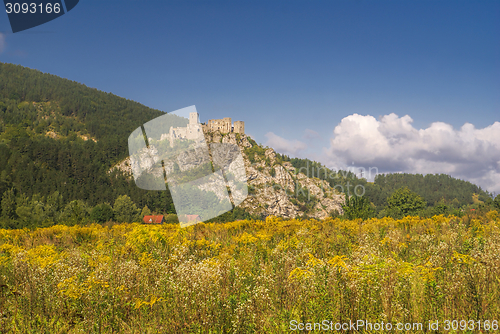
(248, 276)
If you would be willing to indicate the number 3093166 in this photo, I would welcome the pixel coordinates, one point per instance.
(32, 8)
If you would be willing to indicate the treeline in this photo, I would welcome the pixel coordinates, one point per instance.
(403, 202)
(440, 193)
(434, 188)
(21, 211)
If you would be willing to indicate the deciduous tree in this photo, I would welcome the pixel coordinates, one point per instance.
(404, 202)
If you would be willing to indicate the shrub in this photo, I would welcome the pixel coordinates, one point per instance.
(101, 213)
(171, 219)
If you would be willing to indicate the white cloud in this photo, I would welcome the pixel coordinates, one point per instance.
(2, 42)
(282, 145)
(392, 144)
(310, 134)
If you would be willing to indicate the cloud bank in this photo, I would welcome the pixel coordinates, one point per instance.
(282, 145)
(392, 144)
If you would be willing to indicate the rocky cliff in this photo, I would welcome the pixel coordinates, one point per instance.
(275, 187)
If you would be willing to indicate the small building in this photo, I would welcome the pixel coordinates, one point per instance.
(159, 219)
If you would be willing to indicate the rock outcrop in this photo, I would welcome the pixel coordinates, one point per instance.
(275, 187)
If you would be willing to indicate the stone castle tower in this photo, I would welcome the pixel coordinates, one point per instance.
(194, 118)
(239, 127)
(191, 131)
(224, 126)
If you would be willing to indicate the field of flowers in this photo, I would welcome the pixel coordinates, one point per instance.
(248, 276)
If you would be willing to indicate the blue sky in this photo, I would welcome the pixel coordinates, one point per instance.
(292, 70)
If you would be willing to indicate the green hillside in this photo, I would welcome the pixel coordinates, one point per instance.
(434, 188)
(57, 135)
(438, 190)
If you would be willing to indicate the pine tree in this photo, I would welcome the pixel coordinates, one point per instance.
(145, 211)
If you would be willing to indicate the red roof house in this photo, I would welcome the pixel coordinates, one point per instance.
(153, 219)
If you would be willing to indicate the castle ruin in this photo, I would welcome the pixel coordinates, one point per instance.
(224, 126)
(193, 128)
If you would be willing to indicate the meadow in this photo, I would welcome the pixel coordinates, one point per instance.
(250, 276)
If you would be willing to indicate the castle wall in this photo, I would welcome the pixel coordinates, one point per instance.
(178, 133)
(223, 125)
(193, 131)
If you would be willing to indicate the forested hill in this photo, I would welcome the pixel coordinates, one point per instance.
(435, 189)
(67, 107)
(60, 136)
